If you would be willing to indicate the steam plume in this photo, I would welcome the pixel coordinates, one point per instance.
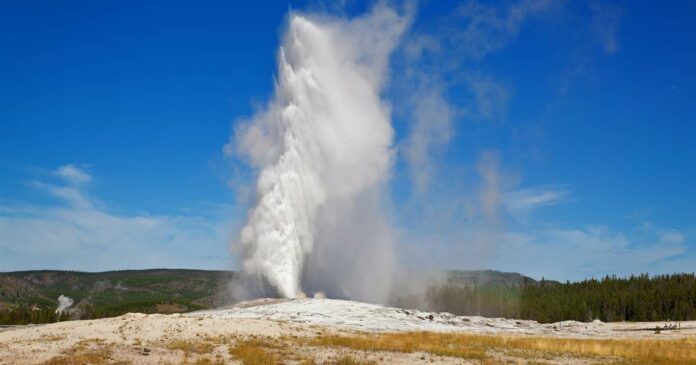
(323, 149)
(64, 303)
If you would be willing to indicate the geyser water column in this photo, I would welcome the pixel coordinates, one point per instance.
(323, 141)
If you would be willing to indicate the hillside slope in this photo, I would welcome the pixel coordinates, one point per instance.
(111, 293)
(32, 296)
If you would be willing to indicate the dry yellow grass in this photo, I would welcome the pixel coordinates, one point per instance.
(254, 352)
(482, 347)
(192, 346)
(403, 342)
(206, 361)
(349, 360)
(50, 338)
(643, 351)
(85, 352)
(356, 348)
(198, 349)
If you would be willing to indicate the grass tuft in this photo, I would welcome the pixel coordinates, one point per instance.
(349, 360)
(85, 352)
(254, 352)
(188, 346)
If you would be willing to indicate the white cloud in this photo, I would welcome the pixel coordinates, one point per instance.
(77, 234)
(524, 200)
(69, 194)
(671, 237)
(540, 248)
(480, 237)
(73, 174)
(577, 253)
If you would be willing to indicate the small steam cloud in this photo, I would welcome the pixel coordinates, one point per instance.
(64, 303)
(322, 149)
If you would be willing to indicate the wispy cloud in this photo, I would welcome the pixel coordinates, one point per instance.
(490, 96)
(73, 174)
(450, 56)
(68, 194)
(606, 18)
(499, 230)
(431, 129)
(486, 213)
(522, 201)
(602, 28)
(78, 234)
(578, 253)
(489, 28)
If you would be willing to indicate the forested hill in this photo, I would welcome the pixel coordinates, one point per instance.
(32, 296)
(636, 298)
(490, 278)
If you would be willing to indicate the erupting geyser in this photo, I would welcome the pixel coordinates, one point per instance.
(321, 147)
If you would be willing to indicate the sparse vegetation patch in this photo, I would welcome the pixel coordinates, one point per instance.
(484, 347)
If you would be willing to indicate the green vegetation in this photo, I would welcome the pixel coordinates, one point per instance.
(31, 296)
(23, 314)
(637, 298)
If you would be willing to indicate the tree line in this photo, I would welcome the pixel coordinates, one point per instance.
(28, 314)
(25, 313)
(636, 298)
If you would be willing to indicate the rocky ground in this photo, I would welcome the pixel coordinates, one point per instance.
(314, 331)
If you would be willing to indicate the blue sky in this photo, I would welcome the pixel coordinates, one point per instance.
(557, 136)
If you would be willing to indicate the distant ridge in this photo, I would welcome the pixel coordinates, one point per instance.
(32, 296)
(143, 290)
(491, 277)
(110, 293)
